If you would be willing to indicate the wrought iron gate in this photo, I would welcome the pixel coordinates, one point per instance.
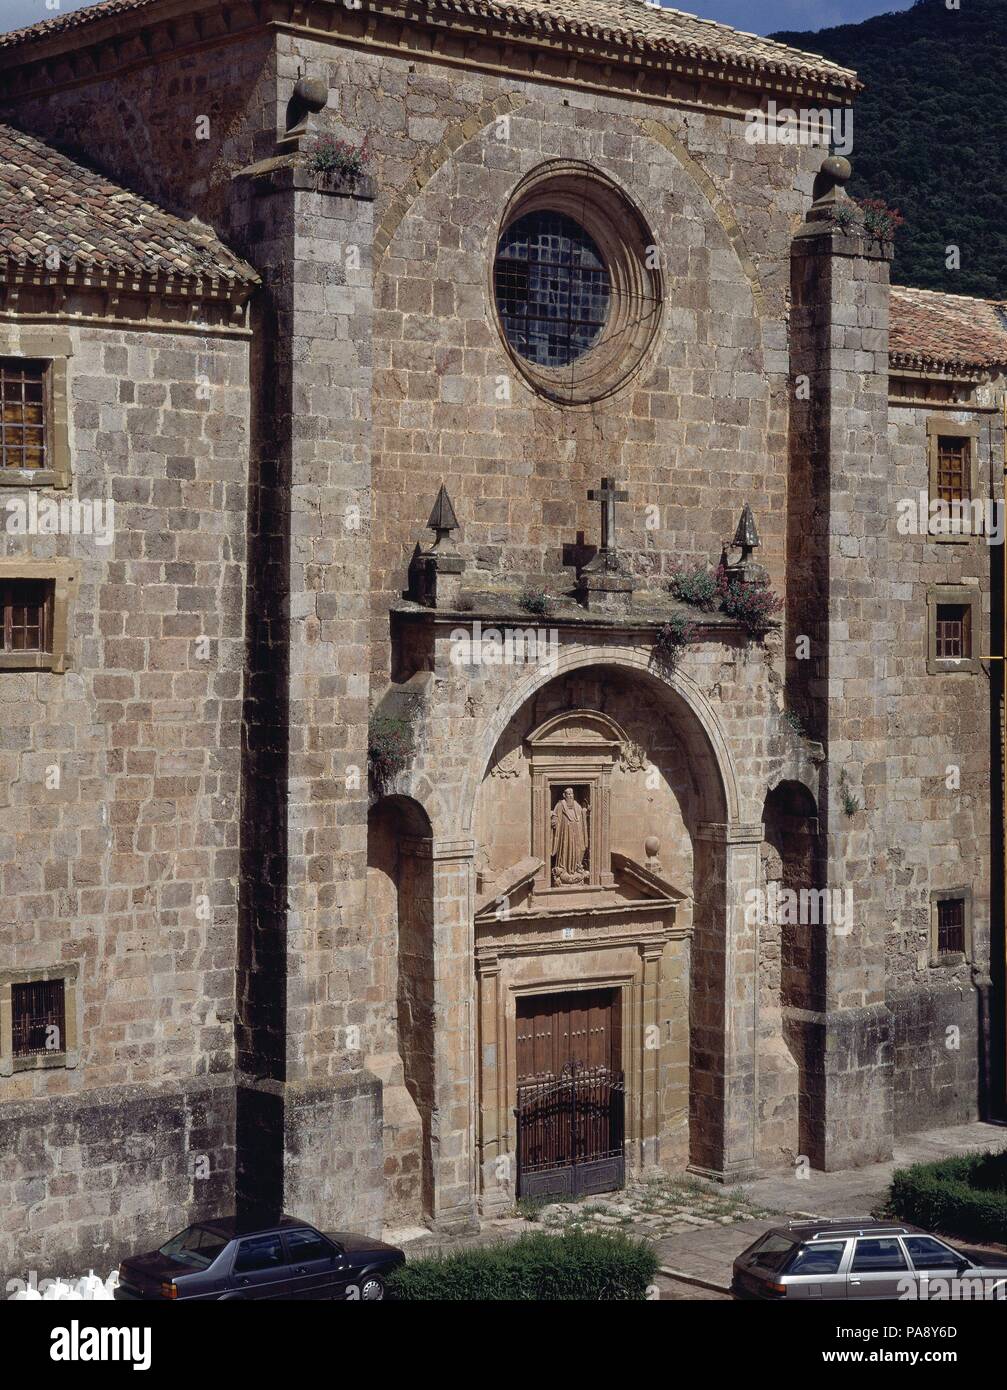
(571, 1133)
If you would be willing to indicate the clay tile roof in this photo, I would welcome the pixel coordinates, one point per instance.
(928, 328)
(99, 228)
(629, 23)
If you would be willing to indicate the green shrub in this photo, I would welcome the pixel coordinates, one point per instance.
(697, 585)
(964, 1196)
(535, 601)
(577, 1266)
(390, 744)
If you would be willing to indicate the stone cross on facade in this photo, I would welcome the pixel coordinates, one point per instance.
(608, 494)
(602, 584)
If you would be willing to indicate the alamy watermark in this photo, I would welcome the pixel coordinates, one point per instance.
(783, 125)
(505, 646)
(934, 516)
(64, 516)
(806, 907)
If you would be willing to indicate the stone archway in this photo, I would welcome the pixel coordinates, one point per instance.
(701, 1109)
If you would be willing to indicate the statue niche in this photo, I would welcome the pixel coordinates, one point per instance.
(571, 757)
(570, 842)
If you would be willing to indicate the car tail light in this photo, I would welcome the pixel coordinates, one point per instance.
(169, 1291)
(780, 1290)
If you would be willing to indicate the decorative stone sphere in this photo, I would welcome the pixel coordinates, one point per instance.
(652, 846)
(312, 93)
(837, 168)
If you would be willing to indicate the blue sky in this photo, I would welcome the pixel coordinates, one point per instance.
(755, 16)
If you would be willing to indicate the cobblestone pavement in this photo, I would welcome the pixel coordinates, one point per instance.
(651, 1209)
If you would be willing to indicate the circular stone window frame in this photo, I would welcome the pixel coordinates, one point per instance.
(619, 230)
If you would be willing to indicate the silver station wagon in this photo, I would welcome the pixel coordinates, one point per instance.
(863, 1258)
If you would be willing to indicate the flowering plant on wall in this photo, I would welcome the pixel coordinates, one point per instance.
(332, 156)
(873, 217)
(752, 605)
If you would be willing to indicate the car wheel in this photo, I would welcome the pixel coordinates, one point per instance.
(371, 1289)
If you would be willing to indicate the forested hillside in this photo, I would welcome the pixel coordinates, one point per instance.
(930, 134)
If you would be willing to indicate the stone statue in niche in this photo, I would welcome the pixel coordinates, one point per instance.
(569, 840)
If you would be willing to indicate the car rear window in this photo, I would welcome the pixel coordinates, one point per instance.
(307, 1245)
(198, 1246)
(818, 1259)
(772, 1252)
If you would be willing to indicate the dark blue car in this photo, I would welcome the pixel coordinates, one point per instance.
(230, 1258)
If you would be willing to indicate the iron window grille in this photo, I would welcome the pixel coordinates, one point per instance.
(24, 392)
(38, 1011)
(953, 468)
(553, 289)
(954, 631)
(27, 609)
(950, 926)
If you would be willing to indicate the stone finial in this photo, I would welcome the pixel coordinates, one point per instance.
(828, 191)
(652, 849)
(310, 95)
(442, 518)
(746, 539)
(435, 573)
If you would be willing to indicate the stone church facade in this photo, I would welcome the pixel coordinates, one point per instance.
(336, 845)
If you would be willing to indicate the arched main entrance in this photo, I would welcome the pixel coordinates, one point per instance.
(603, 941)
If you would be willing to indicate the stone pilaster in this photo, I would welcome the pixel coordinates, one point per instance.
(304, 1025)
(453, 1128)
(841, 602)
(725, 999)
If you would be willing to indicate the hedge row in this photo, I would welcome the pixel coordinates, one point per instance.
(964, 1196)
(573, 1267)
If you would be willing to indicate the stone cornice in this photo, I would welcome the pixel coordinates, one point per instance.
(476, 35)
(175, 305)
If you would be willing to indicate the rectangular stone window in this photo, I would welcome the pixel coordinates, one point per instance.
(953, 450)
(24, 413)
(34, 409)
(38, 1013)
(39, 1018)
(951, 926)
(954, 454)
(27, 606)
(36, 608)
(952, 629)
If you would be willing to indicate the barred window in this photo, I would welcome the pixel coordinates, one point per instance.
(38, 1011)
(950, 926)
(27, 606)
(552, 288)
(954, 631)
(954, 458)
(23, 400)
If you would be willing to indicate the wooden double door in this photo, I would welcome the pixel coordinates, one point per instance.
(571, 1095)
(555, 1031)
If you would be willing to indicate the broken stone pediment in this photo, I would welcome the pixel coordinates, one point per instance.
(513, 895)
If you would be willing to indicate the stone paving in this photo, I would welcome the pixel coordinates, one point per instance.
(651, 1210)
